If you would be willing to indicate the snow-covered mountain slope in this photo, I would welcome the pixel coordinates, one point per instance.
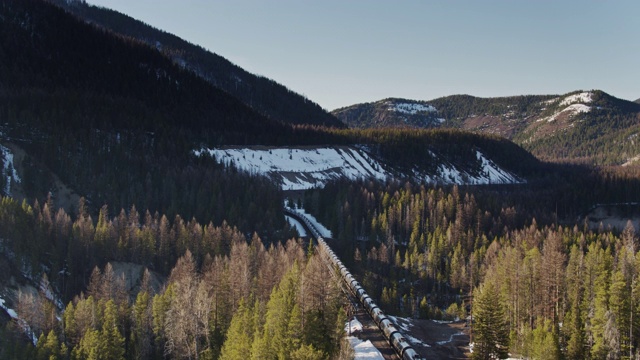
(301, 168)
(489, 173)
(570, 106)
(312, 167)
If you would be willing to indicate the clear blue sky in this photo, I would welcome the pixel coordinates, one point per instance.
(338, 53)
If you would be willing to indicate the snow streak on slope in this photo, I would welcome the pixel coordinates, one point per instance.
(9, 311)
(9, 169)
(306, 168)
(489, 173)
(570, 110)
(573, 104)
(23, 324)
(301, 168)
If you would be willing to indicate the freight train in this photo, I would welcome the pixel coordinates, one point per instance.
(391, 333)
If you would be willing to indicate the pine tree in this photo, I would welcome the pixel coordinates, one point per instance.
(490, 328)
(307, 352)
(89, 347)
(545, 342)
(239, 335)
(573, 327)
(281, 317)
(111, 340)
(141, 329)
(600, 303)
(620, 307)
(316, 332)
(48, 348)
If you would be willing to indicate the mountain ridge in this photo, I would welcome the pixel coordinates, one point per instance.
(537, 122)
(262, 94)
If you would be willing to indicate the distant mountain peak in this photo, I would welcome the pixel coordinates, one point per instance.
(529, 120)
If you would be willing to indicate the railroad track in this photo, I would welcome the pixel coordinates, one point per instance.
(395, 338)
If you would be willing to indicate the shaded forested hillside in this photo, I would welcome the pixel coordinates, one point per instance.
(263, 95)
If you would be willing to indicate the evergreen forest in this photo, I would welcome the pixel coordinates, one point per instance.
(118, 242)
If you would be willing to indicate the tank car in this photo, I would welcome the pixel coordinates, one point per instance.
(388, 329)
(411, 354)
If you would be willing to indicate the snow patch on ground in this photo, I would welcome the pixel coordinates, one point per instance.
(578, 108)
(573, 104)
(583, 97)
(45, 289)
(411, 108)
(631, 161)
(296, 224)
(364, 349)
(570, 110)
(405, 325)
(9, 169)
(401, 323)
(11, 312)
(301, 168)
(23, 324)
(353, 326)
(450, 339)
(416, 341)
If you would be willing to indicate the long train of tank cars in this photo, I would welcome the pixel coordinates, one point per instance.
(391, 333)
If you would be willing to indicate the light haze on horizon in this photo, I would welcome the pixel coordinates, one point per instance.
(338, 53)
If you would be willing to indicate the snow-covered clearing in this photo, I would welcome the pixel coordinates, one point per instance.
(307, 168)
(301, 168)
(296, 224)
(583, 97)
(9, 169)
